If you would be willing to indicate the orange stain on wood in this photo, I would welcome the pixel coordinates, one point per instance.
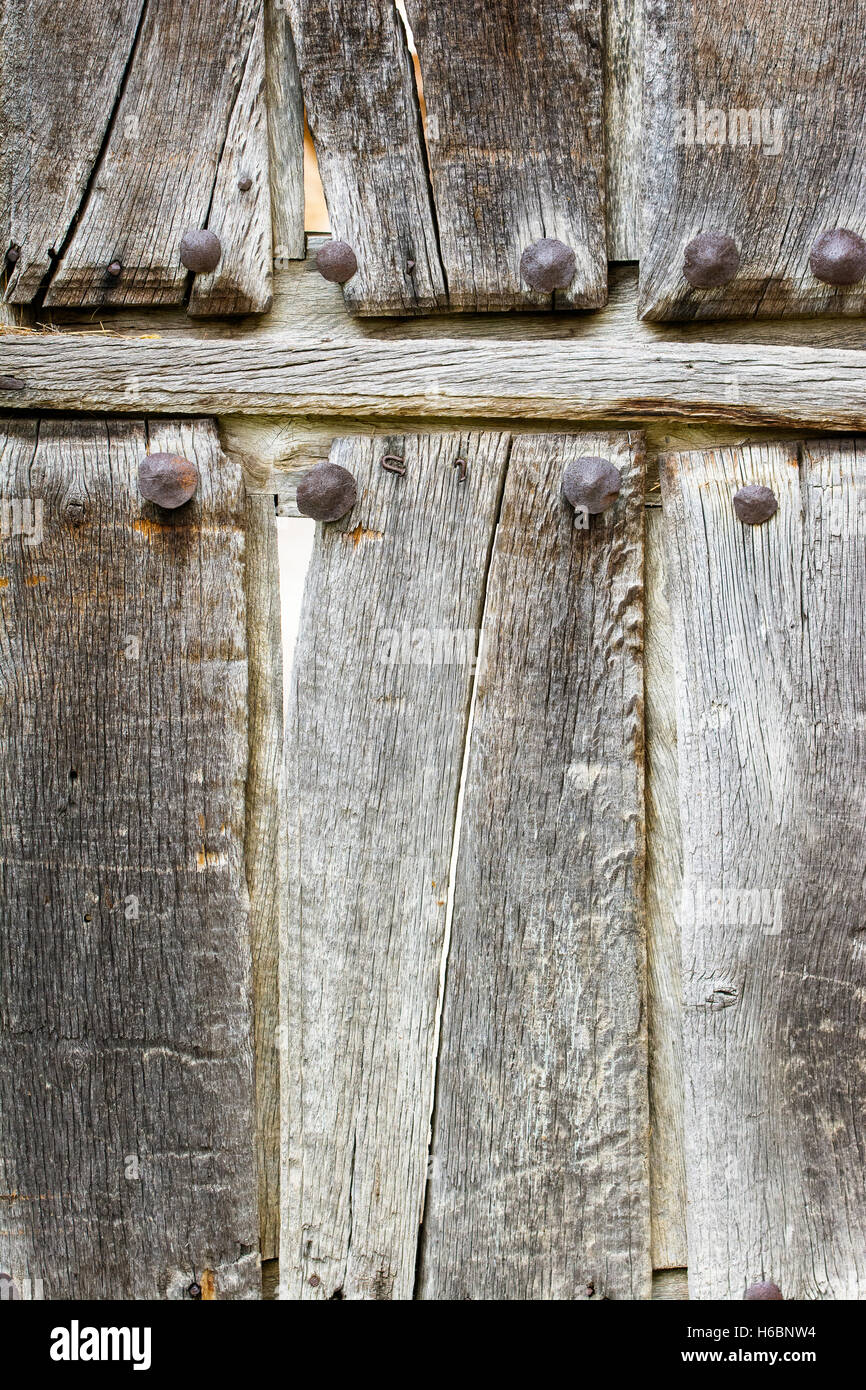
(208, 1284)
(360, 533)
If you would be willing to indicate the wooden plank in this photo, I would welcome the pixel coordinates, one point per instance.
(285, 135)
(623, 110)
(378, 709)
(671, 1285)
(798, 387)
(362, 106)
(769, 629)
(731, 148)
(265, 844)
(539, 1183)
(161, 165)
(125, 1053)
(664, 873)
(512, 159)
(61, 72)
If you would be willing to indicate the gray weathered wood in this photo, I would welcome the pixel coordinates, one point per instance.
(515, 139)
(378, 709)
(285, 134)
(362, 106)
(670, 1285)
(539, 1184)
(61, 70)
(786, 77)
(126, 1112)
(771, 712)
(161, 164)
(265, 844)
(623, 103)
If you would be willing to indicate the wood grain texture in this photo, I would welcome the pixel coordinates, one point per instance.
(61, 70)
(623, 111)
(663, 889)
(799, 387)
(515, 141)
(539, 1185)
(285, 135)
(160, 168)
(378, 708)
(265, 843)
(771, 713)
(363, 110)
(774, 95)
(126, 1110)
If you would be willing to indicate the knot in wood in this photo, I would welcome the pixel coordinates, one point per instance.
(710, 259)
(336, 261)
(548, 265)
(838, 257)
(167, 480)
(200, 251)
(591, 483)
(327, 492)
(755, 503)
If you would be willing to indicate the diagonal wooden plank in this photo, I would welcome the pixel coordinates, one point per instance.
(539, 1177)
(514, 97)
(378, 709)
(157, 173)
(125, 1054)
(61, 70)
(732, 148)
(771, 711)
(363, 112)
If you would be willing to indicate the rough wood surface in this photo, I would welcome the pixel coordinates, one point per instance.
(539, 1182)
(125, 1053)
(663, 885)
(285, 135)
(756, 128)
(623, 103)
(164, 156)
(515, 141)
(771, 712)
(670, 1285)
(378, 708)
(363, 110)
(265, 844)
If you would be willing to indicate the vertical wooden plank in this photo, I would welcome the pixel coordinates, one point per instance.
(539, 1182)
(362, 106)
(377, 718)
(623, 109)
(771, 710)
(265, 846)
(514, 97)
(125, 1054)
(285, 135)
(730, 147)
(61, 71)
(158, 173)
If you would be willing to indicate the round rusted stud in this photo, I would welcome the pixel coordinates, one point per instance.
(838, 257)
(194, 1291)
(200, 251)
(710, 259)
(167, 479)
(763, 1291)
(548, 265)
(755, 503)
(327, 492)
(591, 483)
(337, 261)
(114, 269)
(245, 183)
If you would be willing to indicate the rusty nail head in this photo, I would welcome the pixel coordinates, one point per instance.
(245, 183)
(12, 383)
(755, 503)
(591, 483)
(167, 479)
(314, 1281)
(838, 257)
(194, 1290)
(763, 1291)
(336, 261)
(200, 251)
(114, 269)
(710, 259)
(393, 463)
(548, 265)
(327, 492)
(462, 464)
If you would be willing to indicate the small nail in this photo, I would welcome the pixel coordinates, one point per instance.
(755, 503)
(114, 269)
(548, 265)
(167, 479)
(591, 483)
(245, 183)
(838, 257)
(763, 1291)
(410, 266)
(12, 383)
(710, 259)
(314, 1281)
(200, 251)
(327, 492)
(336, 261)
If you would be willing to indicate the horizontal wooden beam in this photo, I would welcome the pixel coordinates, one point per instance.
(797, 387)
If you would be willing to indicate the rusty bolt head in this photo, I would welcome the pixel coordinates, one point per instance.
(710, 259)
(838, 257)
(763, 1291)
(337, 261)
(245, 183)
(200, 251)
(755, 503)
(591, 483)
(327, 492)
(167, 479)
(114, 269)
(314, 1281)
(548, 265)
(194, 1290)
